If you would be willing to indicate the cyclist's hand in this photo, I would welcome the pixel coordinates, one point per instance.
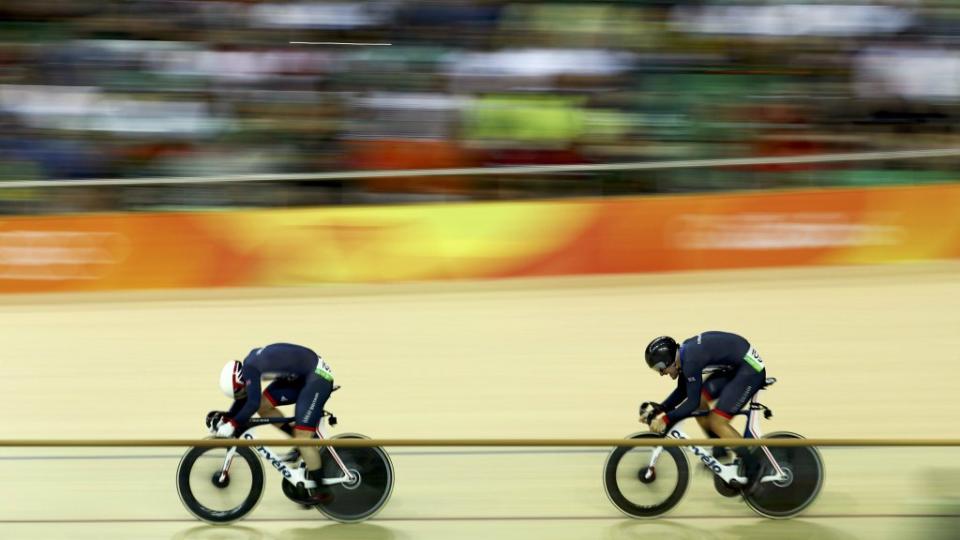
(659, 424)
(213, 420)
(226, 429)
(649, 411)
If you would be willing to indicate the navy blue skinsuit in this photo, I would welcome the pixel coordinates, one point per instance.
(300, 375)
(737, 372)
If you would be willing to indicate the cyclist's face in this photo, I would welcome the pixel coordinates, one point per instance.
(673, 370)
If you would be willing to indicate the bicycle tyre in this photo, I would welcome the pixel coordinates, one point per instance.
(363, 500)
(615, 491)
(210, 515)
(785, 500)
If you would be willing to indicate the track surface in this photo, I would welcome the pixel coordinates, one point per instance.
(859, 352)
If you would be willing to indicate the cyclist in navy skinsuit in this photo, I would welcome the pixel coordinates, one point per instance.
(300, 376)
(735, 370)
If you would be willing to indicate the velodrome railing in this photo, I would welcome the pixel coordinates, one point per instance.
(366, 443)
(495, 171)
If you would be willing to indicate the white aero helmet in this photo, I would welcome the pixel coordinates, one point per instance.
(231, 379)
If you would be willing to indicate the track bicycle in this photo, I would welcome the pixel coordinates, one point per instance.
(648, 482)
(221, 485)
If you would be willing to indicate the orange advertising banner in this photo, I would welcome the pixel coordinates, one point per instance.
(479, 240)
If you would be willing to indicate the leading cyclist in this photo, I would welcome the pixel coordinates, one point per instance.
(735, 372)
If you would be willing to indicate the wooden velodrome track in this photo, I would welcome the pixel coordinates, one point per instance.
(859, 352)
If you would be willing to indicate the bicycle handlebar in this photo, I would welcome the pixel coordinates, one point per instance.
(270, 420)
(648, 409)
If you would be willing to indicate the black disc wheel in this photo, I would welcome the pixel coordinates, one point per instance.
(371, 482)
(786, 498)
(214, 495)
(639, 491)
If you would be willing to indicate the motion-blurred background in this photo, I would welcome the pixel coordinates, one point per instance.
(161, 88)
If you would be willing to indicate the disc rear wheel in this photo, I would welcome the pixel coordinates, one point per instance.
(804, 471)
(369, 488)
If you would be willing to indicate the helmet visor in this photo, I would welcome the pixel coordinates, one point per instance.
(659, 366)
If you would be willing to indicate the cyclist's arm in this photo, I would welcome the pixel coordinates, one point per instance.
(252, 403)
(694, 383)
(675, 397)
(235, 408)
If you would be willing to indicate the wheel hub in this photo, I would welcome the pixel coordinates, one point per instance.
(221, 482)
(647, 475)
(354, 481)
(788, 478)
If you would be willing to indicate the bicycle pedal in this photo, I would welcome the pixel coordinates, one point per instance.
(724, 488)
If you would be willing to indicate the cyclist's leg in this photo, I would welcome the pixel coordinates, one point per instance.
(309, 413)
(278, 393)
(744, 384)
(735, 395)
(712, 387)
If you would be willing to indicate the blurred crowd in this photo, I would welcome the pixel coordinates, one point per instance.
(190, 88)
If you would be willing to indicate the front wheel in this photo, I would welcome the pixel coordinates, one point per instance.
(639, 490)
(804, 479)
(369, 491)
(213, 494)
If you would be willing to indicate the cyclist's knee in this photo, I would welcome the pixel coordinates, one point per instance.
(704, 404)
(301, 432)
(718, 419)
(266, 408)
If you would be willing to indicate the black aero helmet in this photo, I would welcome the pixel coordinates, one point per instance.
(661, 352)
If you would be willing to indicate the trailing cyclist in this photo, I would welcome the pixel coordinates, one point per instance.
(301, 377)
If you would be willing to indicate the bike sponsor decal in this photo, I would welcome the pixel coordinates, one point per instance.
(271, 459)
(708, 460)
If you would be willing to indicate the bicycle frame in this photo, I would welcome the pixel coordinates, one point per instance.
(294, 475)
(727, 473)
